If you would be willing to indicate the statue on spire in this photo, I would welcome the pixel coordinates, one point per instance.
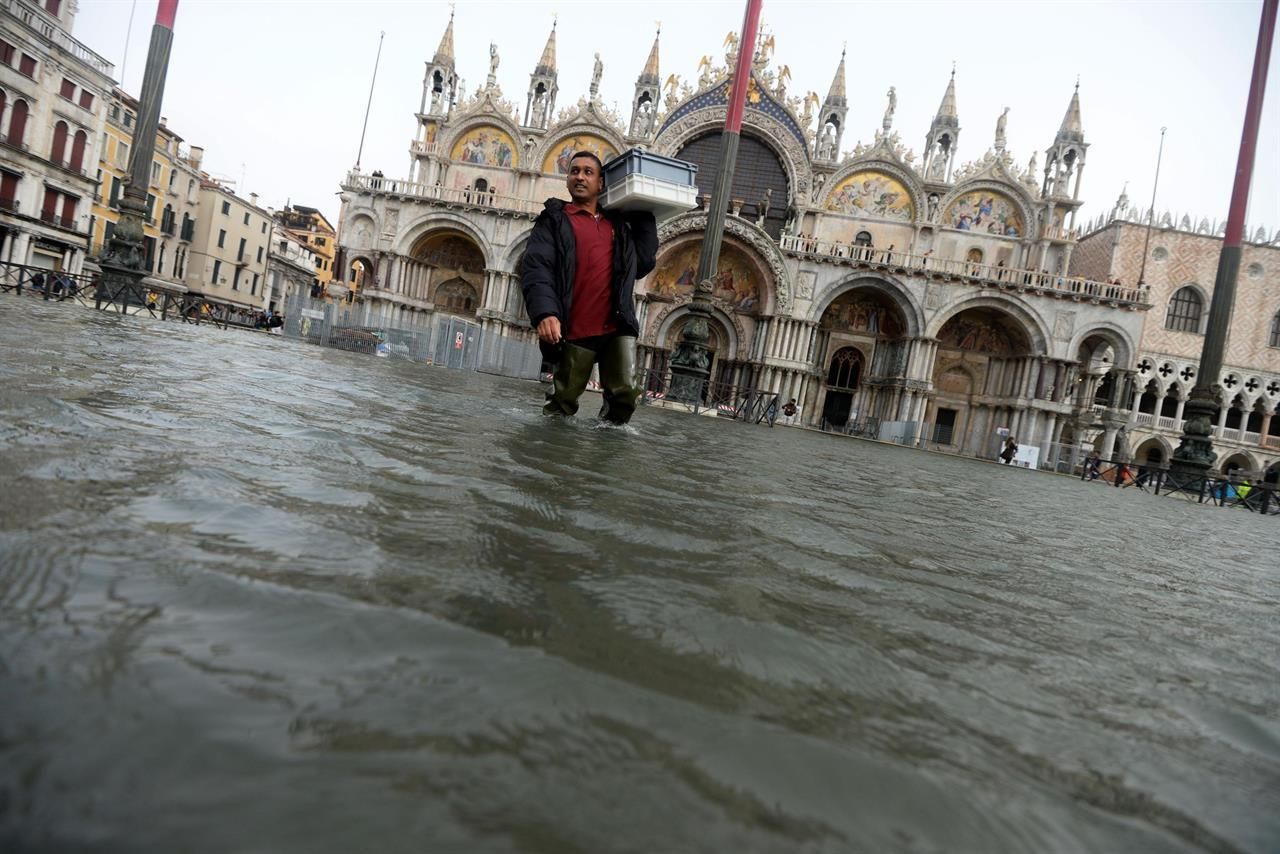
(596, 73)
(888, 113)
(493, 66)
(1000, 126)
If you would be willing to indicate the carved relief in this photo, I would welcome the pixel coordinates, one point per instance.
(805, 282)
(1063, 325)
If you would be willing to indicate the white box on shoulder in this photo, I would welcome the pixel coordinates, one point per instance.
(641, 181)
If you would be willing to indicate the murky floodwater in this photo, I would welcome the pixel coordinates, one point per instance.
(262, 597)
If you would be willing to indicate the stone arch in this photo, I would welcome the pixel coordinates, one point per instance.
(362, 276)
(1244, 460)
(661, 325)
(1142, 453)
(793, 156)
(576, 129)
(1033, 325)
(361, 229)
(447, 220)
(1116, 336)
(776, 300)
(514, 252)
(905, 177)
(1011, 191)
(887, 286)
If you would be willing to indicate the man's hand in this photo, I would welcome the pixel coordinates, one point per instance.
(549, 330)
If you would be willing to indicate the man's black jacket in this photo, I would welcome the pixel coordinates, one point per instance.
(550, 258)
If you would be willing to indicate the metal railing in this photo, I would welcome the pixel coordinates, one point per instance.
(448, 195)
(739, 402)
(1235, 489)
(870, 256)
(94, 292)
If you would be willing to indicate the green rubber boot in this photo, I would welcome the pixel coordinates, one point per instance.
(570, 380)
(618, 380)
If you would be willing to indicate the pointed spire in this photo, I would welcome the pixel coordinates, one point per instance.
(650, 73)
(1071, 126)
(547, 65)
(947, 109)
(836, 96)
(444, 53)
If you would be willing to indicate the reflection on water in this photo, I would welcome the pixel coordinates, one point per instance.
(256, 596)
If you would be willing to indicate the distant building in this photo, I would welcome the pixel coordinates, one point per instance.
(311, 227)
(291, 268)
(229, 249)
(52, 92)
(1180, 268)
(173, 197)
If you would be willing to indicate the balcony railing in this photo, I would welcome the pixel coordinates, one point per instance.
(1057, 232)
(927, 265)
(420, 147)
(68, 222)
(1165, 423)
(447, 195)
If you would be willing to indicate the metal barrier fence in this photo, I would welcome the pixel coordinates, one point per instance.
(91, 291)
(443, 340)
(741, 403)
(1232, 490)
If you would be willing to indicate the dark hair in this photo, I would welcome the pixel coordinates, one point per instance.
(599, 165)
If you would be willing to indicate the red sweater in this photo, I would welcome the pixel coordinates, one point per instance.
(591, 312)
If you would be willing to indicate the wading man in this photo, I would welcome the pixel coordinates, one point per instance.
(578, 274)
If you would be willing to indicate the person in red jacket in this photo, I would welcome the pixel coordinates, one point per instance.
(578, 275)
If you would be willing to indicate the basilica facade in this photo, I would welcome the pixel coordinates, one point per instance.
(866, 283)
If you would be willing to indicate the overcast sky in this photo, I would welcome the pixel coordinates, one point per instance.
(275, 90)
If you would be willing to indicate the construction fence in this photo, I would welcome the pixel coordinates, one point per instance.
(442, 340)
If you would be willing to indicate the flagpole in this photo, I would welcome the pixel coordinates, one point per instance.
(1195, 455)
(369, 104)
(691, 361)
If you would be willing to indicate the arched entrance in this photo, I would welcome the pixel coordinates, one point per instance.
(860, 348)
(448, 270)
(759, 178)
(718, 346)
(983, 352)
(843, 378)
(741, 288)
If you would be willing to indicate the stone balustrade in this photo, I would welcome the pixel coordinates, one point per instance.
(468, 196)
(927, 265)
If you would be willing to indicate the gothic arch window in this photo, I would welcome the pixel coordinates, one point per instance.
(1185, 310)
(1274, 339)
(758, 174)
(59, 147)
(18, 122)
(863, 238)
(1169, 406)
(846, 369)
(456, 296)
(77, 150)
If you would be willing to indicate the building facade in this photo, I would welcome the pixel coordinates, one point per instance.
(1179, 264)
(173, 197)
(865, 282)
(52, 94)
(228, 261)
(310, 227)
(291, 268)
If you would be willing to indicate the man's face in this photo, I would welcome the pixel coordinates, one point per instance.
(584, 180)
